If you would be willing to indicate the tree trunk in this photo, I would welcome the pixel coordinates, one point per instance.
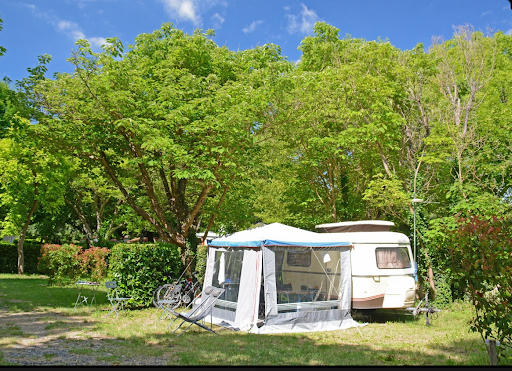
(85, 225)
(23, 235)
(430, 272)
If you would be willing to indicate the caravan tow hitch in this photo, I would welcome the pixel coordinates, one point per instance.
(427, 309)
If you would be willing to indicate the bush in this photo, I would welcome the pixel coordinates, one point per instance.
(480, 257)
(443, 296)
(139, 269)
(201, 257)
(61, 263)
(66, 263)
(93, 262)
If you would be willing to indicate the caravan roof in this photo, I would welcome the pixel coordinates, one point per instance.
(356, 226)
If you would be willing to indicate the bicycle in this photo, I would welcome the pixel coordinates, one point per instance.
(179, 292)
(190, 289)
(167, 291)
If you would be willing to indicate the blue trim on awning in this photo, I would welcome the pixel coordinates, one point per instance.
(306, 244)
(220, 243)
(217, 243)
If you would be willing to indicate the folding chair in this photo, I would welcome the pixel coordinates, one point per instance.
(199, 310)
(114, 299)
(170, 311)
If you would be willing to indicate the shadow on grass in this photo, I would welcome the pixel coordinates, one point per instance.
(391, 338)
(383, 315)
(198, 348)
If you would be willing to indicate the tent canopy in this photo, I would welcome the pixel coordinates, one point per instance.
(279, 278)
(277, 234)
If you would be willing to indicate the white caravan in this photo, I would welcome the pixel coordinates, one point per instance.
(382, 268)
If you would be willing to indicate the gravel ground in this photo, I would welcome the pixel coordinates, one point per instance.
(46, 338)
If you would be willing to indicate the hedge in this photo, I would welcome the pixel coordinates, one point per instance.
(9, 257)
(139, 269)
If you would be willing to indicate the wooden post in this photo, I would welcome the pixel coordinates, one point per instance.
(493, 356)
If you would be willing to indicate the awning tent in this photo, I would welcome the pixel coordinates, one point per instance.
(279, 278)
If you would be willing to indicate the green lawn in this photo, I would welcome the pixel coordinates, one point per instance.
(389, 339)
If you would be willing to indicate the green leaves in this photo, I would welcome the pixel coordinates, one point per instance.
(479, 255)
(170, 120)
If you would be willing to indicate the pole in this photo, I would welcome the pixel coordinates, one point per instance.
(414, 213)
(414, 201)
(493, 356)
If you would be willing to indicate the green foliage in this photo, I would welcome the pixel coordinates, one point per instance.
(139, 269)
(64, 264)
(443, 295)
(61, 263)
(9, 256)
(201, 259)
(386, 194)
(170, 120)
(480, 257)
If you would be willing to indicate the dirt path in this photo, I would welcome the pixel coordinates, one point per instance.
(47, 338)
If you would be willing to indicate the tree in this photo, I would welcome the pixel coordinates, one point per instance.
(480, 257)
(343, 130)
(96, 202)
(466, 65)
(171, 122)
(28, 177)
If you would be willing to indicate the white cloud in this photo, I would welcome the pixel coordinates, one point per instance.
(97, 41)
(486, 13)
(302, 22)
(182, 9)
(191, 10)
(69, 28)
(509, 32)
(251, 27)
(217, 20)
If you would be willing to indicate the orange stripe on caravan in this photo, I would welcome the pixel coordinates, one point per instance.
(368, 298)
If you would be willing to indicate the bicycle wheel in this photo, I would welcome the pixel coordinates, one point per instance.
(186, 299)
(170, 292)
(155, 295)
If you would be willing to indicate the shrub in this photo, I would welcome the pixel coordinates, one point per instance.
(67, 263)
(139, 269)
(480, 256)
(61, 263)
(93, 262)
(443, 295)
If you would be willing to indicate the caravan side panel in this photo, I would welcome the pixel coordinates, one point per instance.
(378, 282)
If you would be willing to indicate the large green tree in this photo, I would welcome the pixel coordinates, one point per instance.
(172, 121)
(342, 127)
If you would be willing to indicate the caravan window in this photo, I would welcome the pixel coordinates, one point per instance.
(392, 257)
(299, 259)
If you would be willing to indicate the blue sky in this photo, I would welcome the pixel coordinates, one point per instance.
(36, 27)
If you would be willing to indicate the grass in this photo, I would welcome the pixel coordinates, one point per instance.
(389, 339)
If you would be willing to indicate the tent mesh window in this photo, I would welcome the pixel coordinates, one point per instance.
(307, 280)
(228, 267)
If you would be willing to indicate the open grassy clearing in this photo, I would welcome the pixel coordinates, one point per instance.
(39, 326)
